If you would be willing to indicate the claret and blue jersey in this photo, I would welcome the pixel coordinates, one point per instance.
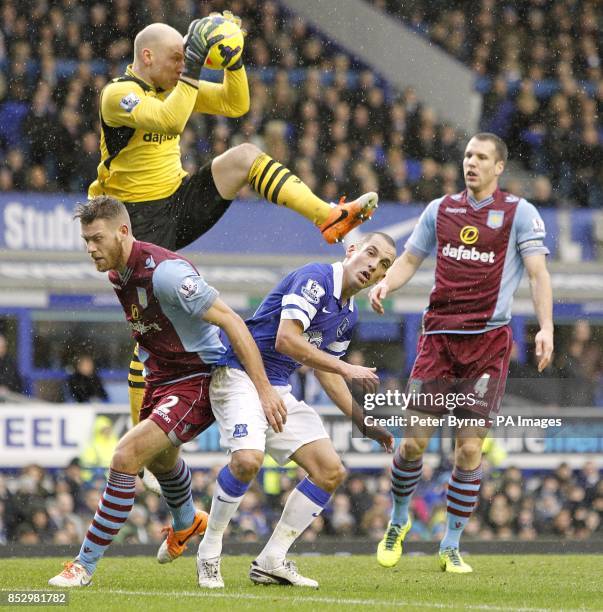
(479, 258)
(164, 298)
(312, 296)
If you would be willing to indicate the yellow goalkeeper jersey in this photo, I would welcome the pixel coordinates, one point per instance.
(141, 127)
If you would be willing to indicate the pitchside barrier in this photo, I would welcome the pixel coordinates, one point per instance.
(51, 435)
(332, 546)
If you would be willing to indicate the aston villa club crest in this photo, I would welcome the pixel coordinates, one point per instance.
(495, 219)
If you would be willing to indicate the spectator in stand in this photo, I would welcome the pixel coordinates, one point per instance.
(589, 478)
(84, 384)
(26, 535)
(12, 114)
(579, 365)
(341, 519)
(360, 499)
(15, 164)
(10, 378)
(42, 525)
(429, 186)
(97, 454)
(29, 490)
(72, 482)
(542, 193)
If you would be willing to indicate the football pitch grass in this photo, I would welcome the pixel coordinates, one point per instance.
(499, 582)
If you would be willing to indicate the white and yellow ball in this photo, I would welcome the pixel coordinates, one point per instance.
(228, 51)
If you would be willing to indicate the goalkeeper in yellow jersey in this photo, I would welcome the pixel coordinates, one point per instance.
(142, 115)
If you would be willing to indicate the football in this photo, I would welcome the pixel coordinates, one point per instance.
(228, 51)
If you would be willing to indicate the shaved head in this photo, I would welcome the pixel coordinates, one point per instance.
(159, 55)
(156, 36)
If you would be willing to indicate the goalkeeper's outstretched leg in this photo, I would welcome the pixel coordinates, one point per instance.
(246, 164)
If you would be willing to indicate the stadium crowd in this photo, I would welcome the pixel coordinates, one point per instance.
(40, 507)
(314, 108)
(539, 65)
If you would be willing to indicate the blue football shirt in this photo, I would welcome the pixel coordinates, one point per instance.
(312, 296)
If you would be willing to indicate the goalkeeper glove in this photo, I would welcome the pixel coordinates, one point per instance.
(228, 15)
(197, 43)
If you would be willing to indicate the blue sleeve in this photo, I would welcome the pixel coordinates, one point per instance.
(176, 284)
(529, 230)
(306, 292)
(423, 239)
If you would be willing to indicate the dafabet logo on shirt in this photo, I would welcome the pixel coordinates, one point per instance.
(463, 253)
(469, 234)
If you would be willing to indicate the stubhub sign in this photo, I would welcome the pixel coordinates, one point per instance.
(48, 435)
(27, 228)
(44, 222)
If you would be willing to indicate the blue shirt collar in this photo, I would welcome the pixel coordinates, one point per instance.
(477, 205)
(338, 282)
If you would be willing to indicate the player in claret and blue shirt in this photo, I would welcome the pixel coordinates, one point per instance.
(484, 238)
(307, 319)
(175, 317)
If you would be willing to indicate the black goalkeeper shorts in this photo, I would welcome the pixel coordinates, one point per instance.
(176, 221)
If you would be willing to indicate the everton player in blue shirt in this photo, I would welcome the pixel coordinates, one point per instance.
(307, 319)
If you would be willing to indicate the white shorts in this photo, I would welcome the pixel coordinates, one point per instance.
(242, 422)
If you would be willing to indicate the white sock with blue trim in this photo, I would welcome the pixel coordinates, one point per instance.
(303, 505)
(228, 493)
